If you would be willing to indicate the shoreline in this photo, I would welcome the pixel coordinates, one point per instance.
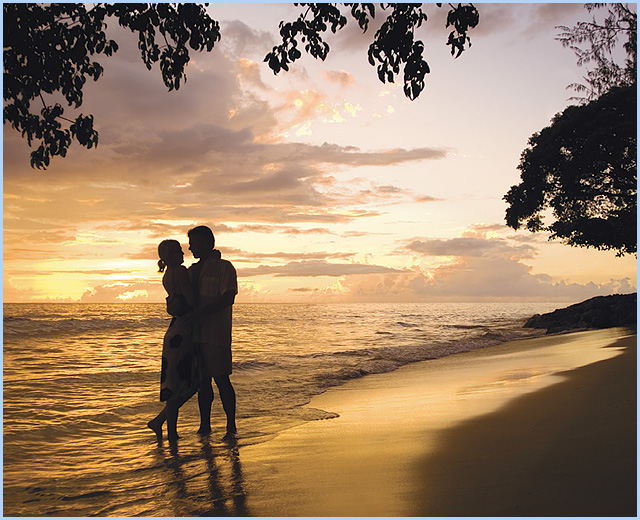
(449, 437)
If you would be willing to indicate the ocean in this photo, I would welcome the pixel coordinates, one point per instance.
(81, 381)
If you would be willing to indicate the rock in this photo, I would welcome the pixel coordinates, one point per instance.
(601, 312)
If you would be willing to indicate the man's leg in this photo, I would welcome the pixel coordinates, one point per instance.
(205, 398)
(228, 398)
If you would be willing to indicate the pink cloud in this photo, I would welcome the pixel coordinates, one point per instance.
(473, 279)
(342, 78)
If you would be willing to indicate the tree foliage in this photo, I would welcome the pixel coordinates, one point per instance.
(50, 49)
(394, 46)
(595, 42)
(584, 168)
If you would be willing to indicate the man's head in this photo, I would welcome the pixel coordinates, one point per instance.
(201, 241)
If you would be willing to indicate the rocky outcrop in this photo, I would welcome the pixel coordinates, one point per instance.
(601, 312)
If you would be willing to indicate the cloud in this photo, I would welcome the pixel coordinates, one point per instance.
(508, 279)
(250, 256)
(532, 19)
(206, 170)
(315, 268)
(149, 252)
(474, 279)
(483, 230)
(166, 156)
(363, 190)
(287, 230)
(342, 78)
(92, 272)
(286, 185)
(546, 15)
(124, 292)
(241, 40)
(44, 237)
(300, 110)
(426, 198)
(470, 247)
(351, 39)
(336, 154)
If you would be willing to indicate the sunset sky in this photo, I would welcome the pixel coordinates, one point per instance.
(321, 184)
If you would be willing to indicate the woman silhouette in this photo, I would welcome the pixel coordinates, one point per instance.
(179, 377)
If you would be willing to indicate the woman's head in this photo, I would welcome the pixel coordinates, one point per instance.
(170, 253)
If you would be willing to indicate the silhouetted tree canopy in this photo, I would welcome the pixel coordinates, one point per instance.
(49, 51)
(584, 168)
(601, 38)
(394, 45)
(49, 48)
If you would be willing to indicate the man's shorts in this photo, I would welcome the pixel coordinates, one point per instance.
(216, 359)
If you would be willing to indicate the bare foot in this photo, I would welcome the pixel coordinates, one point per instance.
(231, 437)
(204, 430)
(156, 426)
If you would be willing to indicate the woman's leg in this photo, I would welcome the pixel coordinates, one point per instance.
(171, 408)
(156, 423)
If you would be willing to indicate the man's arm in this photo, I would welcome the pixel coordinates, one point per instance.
(226, 300)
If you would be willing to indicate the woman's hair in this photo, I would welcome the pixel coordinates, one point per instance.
(164, 250)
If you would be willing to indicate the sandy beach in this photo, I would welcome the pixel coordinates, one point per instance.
(538, 427)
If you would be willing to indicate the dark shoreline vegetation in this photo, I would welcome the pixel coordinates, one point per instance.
(601, 312)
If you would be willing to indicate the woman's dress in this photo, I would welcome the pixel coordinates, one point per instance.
(180, 374)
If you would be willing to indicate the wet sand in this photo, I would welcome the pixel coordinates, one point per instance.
(539, 427)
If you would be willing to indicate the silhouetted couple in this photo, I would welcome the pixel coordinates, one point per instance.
(197, 344)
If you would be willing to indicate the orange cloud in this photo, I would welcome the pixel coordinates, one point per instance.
(120, 291)
(342, 78)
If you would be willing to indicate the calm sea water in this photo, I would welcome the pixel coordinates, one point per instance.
(81, 381)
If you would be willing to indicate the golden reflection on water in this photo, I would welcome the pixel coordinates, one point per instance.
(195, 478)
(206, 482)
(81, 382)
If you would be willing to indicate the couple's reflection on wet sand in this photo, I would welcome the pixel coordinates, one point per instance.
(203, 482)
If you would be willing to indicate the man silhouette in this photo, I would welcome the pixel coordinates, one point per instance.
(215, 286)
